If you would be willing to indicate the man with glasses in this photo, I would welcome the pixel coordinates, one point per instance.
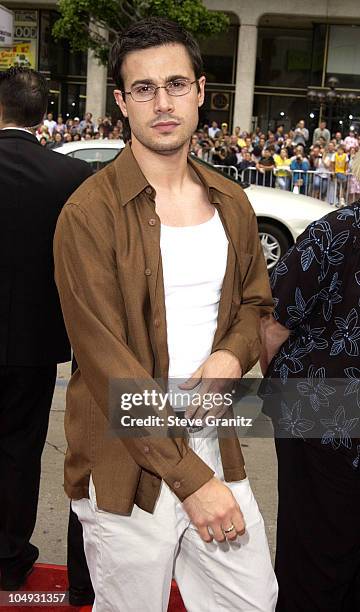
(161, 277)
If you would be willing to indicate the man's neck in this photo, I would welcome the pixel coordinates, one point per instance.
(12, 126)
(165, 171)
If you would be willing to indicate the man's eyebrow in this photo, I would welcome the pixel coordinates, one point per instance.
(173, 77)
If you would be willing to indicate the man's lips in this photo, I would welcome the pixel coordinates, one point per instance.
(165, 126)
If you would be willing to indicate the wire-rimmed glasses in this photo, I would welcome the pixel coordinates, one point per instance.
(144, 92)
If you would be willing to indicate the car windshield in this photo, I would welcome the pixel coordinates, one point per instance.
(97, 158)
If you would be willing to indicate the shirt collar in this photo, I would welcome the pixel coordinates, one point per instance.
(132, 181)
(17, 128)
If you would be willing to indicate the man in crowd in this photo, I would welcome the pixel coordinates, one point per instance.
(214, 130)
(87, 123)
(75, 129)
(310, 360)
(142, 301)
(50, 123)
(321, 132)
(35, 183)
(338, 140)
(265, 167)
(301, 134)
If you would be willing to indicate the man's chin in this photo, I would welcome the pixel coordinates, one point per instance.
(165, 146)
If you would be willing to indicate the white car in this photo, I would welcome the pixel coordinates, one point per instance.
(97, 153)
(282, 216)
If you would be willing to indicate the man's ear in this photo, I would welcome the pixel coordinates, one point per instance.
(120, 101)
(201, 90)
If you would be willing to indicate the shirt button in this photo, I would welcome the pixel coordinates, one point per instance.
(152, 221)
(149, 190)
(177, 484)
(157, 322)
(147, 272)
(146, 449)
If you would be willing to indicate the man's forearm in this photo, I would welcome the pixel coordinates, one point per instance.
(273, 336)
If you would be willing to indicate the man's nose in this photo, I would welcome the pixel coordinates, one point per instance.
(163, 102)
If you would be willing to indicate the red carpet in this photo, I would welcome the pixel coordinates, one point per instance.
(53, 579)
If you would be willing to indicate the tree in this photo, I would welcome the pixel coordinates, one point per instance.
(84, 22)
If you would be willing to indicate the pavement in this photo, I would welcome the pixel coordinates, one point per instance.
(51, 526)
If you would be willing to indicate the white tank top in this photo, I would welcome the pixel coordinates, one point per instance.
(194, 262)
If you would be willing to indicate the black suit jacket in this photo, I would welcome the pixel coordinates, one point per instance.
(34, 185)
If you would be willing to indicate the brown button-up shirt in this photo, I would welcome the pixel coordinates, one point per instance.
(109, 276)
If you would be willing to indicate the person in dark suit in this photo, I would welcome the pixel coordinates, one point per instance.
(35, 183)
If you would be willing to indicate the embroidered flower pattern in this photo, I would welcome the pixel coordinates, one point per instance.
(348, 335)
(316, 388)
(292, 421)
(338, 430)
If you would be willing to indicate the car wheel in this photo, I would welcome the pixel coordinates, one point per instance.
(274, 242)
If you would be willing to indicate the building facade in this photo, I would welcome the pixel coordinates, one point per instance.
(258, 73)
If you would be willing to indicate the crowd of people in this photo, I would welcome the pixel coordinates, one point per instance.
(320, 167)
(52, 134)
(287, 160)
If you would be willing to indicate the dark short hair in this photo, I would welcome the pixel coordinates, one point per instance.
(23, 96)
(152, 32)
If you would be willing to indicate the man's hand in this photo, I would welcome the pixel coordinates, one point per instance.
(273, 336)
(216, 375)
(214, 506)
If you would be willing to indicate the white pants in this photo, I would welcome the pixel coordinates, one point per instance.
(132, 559)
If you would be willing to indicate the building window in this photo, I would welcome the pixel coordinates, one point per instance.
(289, 57)
(56, 57)
(344, 55)
(273, 110)
(219, 55)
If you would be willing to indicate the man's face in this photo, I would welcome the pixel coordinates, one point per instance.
(166, 123)
(323, 125)
(50, 116)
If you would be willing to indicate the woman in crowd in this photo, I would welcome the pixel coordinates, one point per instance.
(354, 181)
(283, 173)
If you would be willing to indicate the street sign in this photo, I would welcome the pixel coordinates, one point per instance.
(6, 27)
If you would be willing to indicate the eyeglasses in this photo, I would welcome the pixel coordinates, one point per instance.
(144, 92)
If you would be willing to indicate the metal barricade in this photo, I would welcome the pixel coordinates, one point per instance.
(323, 185)
(231, 171)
